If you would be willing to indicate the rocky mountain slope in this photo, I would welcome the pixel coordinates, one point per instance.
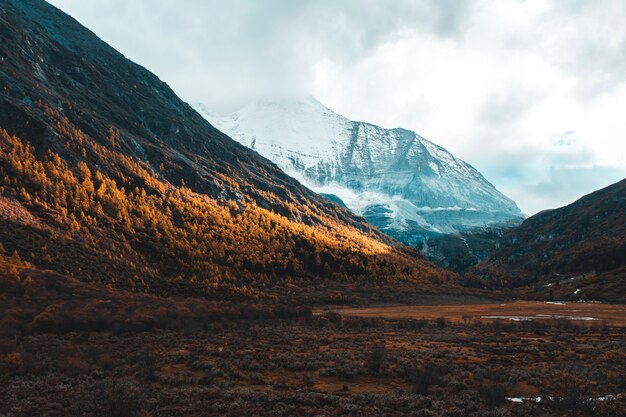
(574, 252)
(108, 176)
(400, 182)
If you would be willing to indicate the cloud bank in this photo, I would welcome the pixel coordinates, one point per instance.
(530, 92)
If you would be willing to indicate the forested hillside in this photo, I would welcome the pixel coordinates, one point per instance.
(573, 252)
(107, 176)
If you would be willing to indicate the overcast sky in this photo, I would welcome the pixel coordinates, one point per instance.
(532, 93)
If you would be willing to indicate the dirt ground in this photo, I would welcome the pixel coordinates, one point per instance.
(589, 313)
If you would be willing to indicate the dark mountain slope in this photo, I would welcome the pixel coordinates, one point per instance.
(106, 175)
(577, 251)
(47, 55)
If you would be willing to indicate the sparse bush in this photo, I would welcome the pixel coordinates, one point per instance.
(376, 360)
(73, 366)
(333, 317)
(110, 398)
(10, 364)
(422, 378)
(256, 378)
(497, 325)
(573, 393)
(148, 365)
(493, 394)
(206, 379)
(280, 386)
(416, 324)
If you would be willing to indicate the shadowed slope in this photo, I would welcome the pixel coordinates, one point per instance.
(130, 187)
(576, 251)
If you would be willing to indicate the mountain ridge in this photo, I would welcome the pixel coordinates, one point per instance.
(323, 150)
(407, 186)
(573, 252)
(136, 190)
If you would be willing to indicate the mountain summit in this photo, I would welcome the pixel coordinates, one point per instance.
(399, 181)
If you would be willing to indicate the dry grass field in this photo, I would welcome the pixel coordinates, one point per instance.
(589, 313)
(324, 365)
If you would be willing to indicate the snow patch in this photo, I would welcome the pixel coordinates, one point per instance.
(522, 399)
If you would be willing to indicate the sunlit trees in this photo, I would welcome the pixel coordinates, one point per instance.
(188, 239)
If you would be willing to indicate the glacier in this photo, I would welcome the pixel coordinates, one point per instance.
(400, 182)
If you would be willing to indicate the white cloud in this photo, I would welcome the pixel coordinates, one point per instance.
(500, 94)
(530, 92)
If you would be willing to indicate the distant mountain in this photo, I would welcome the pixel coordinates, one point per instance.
(400, 182)
(574, 252)
(107, 176)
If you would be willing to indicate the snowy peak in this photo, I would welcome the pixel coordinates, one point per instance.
(303, 129)
(398, 180)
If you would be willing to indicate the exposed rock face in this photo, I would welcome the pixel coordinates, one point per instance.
(400, 182)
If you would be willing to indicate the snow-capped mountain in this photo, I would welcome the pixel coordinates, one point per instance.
(399, 181)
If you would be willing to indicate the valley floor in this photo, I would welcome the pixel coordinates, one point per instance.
(594, 314)
(329, 364)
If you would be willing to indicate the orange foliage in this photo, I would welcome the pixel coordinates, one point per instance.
(185, 239)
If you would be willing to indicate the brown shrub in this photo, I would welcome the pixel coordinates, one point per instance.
(110, 398)
(73, 366)
(10, 363)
